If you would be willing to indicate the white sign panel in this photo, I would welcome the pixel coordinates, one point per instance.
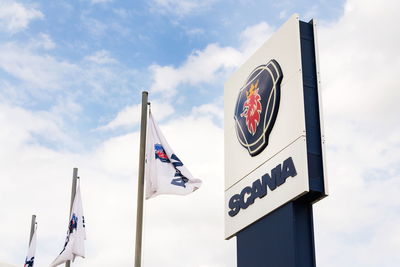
(265, 142)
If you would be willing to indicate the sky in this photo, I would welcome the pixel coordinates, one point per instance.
(71, 77)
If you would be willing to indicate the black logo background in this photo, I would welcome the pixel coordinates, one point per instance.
(270, 77)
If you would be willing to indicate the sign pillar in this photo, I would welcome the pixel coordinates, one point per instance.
(283, 238)
(274, 150)
(73, 192)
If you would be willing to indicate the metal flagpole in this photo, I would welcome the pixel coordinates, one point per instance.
(73, 192)
(33, 223)
(139, 209)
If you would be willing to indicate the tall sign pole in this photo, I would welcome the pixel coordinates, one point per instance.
(73, 192)
(139, 209)
(30, 256)
(33, 223)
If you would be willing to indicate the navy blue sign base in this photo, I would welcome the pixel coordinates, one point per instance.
(284, 238)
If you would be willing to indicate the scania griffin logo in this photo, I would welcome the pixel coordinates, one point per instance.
(257, 107)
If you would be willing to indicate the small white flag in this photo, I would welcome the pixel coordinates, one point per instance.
(165, 172)
(30, 257)
(76, 234)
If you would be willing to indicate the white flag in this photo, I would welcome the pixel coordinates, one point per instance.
(165, 172)
(76, 234)
(30, 257)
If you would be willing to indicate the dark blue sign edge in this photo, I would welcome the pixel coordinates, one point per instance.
(311, 110)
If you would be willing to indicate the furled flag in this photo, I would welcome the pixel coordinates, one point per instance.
(30, 257)
(76, 234)
(165, 172)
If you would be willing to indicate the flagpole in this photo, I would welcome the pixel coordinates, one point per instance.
(33, 223)
(73, 192)
(139, 209)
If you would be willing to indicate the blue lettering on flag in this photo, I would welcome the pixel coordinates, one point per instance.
(29, 263)
(177, 162)
(73, 225)
(181, 180)
(160, 154)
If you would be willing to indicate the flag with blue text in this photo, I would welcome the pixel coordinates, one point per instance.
(76, 234)
(165, 172)
(30, 257)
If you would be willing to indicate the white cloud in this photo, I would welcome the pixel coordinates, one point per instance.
(209, 109)
(15, 16)
(94, 26)
(43, 41)
(180, 7)
(122, 12)
(130, 116)
(253, 37)
(108, 174)
(67, 108)
(23, 126)
(101, 57)
(283, 14)
(36, 70)
(194, 31)
(42, 178)
(359, 63)
(200, 67)
(210, 64)
(100, 1)
(40, 76)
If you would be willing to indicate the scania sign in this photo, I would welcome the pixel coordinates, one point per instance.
(257, 106)
(258, 189)
(272, 132)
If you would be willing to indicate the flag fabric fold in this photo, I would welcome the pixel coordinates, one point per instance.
(165, 172)
(76, 234)
(30, 257)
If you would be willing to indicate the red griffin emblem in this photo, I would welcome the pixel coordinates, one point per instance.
(252, 108)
